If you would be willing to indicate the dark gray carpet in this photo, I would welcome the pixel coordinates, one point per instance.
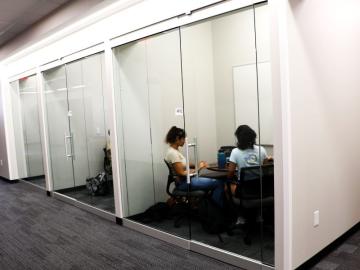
(37, 181)
(39, 232)
(233, 243)
(345, 256)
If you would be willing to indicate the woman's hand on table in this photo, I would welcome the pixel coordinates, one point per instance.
(203, 164)
(268, 160)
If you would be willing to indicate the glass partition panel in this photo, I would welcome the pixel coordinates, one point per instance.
(31, 124)
(25, 112)
(18, 126)
(149, 102)
(55, 90)
(79, 141)
(220, 94)
(265, 130)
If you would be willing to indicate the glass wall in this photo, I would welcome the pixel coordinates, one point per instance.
(25, 114)
(149, 102)
(78, 132)
(226, 82)
(208, 78)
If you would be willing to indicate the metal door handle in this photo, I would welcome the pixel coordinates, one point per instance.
(187, 146)
(66, 137)
(72, 146)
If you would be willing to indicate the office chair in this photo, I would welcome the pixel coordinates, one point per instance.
(255, 193)
(182, 207)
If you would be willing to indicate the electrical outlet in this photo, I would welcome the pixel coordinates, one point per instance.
(316, 218)
(1, 162)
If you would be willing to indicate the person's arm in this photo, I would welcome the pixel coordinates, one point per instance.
(202, 164)
(179, 169)
(231, 170)
(266, 159)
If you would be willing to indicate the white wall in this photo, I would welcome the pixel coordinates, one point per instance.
(4, 167)
(323, 50)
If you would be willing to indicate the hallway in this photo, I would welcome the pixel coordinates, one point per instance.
(40, 232)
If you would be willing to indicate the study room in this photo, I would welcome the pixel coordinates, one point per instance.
(181, 97)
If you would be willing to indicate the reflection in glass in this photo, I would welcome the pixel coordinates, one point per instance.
(25, 112)
(78, 132)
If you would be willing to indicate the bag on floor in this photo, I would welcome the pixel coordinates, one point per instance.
(155, 213)
(214, 220)
(97, 185)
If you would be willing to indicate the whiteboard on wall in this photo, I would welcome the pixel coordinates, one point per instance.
(247, 98)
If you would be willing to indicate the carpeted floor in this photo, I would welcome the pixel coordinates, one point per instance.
(345, 256)
(260, 249)
(40, 232)
(40, 181)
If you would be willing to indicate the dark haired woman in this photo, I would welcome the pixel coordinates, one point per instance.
(176, 139)
(247, 152)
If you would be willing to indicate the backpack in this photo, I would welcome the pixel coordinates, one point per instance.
(215, 220)
(157, 212)
(97, 185)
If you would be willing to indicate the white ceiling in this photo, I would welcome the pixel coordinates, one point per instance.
(18, 15)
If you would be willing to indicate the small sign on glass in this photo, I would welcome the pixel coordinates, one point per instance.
(179, 111)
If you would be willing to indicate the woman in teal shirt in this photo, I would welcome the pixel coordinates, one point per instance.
(247, 153)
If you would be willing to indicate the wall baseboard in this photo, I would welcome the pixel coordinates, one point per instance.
(9, 181)
(321, 254)
(34, 177)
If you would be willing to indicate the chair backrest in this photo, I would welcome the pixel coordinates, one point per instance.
(172, 177)
(227, 149)
(257, 182)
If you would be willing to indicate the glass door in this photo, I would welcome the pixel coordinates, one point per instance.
(55, 89)
(149, 102)
(229, 123)
(208, 79)
(78, 132)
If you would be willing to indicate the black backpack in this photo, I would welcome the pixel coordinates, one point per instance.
(97, 185)
(215, 220)
(155, 213)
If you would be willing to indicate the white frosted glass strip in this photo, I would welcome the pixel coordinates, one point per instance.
(74, 77)
(18, 130)
(265, 104)
(199, 88)
(245, 93)
(136, 126)
(94, 112)
(165, 94)
(58, 126)
(32, 133)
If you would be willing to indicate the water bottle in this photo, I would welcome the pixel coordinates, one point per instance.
(221, 159)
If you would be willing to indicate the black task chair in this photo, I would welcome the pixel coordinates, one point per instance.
(182, 208)
(255, 193)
